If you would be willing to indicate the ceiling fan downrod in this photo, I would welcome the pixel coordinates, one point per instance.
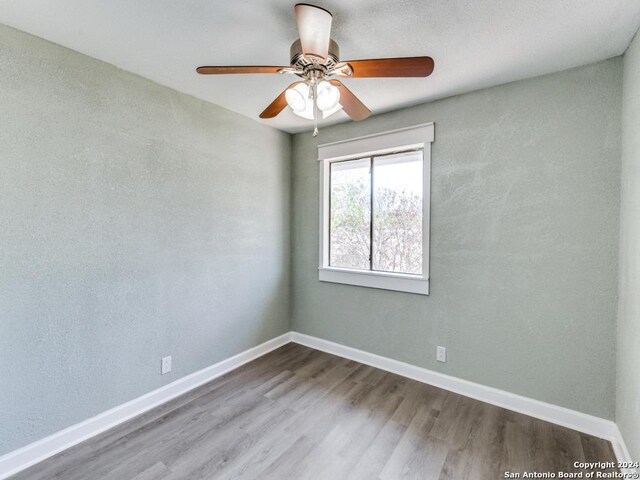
(314, 89)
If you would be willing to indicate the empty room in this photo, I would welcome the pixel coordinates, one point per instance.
(365, 240)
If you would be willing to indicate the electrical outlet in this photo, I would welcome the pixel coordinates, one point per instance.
(165, 365)
(441, 354)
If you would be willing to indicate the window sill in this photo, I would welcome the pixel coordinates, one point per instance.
(386, 281)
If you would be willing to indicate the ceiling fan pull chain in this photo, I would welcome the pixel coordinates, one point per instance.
(315, 109)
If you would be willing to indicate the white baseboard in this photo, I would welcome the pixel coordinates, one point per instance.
(622, 453)
(18, 460)
(565, 417)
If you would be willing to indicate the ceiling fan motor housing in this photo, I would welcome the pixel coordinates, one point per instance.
(298, 60)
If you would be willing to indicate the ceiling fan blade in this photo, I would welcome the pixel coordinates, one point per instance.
(389, 67)
(314, 28)
(278, 104)
(225, 70)
(350, 103)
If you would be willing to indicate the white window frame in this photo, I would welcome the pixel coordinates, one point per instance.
(418, 137)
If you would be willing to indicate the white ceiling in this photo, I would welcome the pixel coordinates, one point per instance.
(475, 43)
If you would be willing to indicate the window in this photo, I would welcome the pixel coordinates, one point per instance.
(375, 213)
(375, 210)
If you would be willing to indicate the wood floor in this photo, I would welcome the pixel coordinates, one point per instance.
(298, 414)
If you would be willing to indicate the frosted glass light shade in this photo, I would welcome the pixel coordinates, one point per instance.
(328, 113)
(302, 89)
(328, 96)
(297, 97)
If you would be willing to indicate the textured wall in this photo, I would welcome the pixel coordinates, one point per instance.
(628, 371)
(136, 222)
(524, 241)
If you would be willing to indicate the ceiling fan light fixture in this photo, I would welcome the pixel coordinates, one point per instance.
(328, 96)
(301, 103)
(297, 97)
(328, 113)
(306, 113)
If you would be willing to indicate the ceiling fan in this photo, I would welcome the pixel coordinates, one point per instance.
(315, 59)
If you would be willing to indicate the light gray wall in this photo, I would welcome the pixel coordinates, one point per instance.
(135, 222)
(524, 241)
(628, 371)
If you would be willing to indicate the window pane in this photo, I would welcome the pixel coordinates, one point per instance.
(397, 213)
(349, 243)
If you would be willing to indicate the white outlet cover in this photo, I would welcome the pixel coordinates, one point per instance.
(165, 365)
(441, 354)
